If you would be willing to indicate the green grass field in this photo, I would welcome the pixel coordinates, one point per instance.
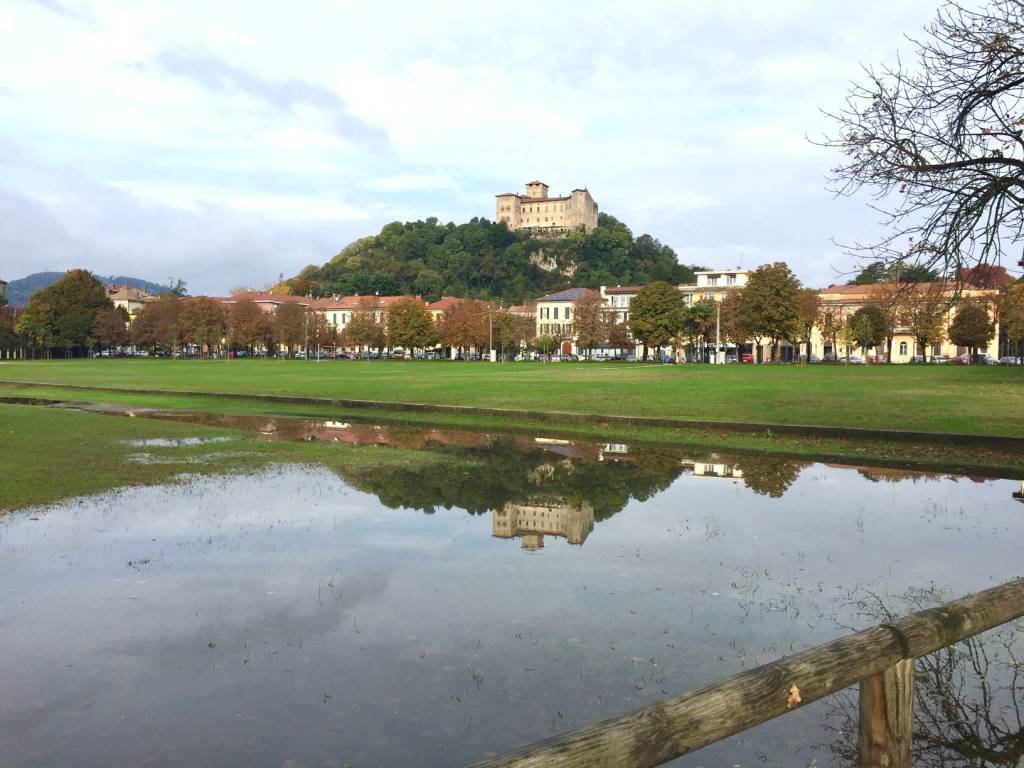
(978, 400)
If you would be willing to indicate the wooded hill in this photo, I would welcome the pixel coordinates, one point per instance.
(487, 260)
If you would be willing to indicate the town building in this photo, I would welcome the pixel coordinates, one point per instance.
(533, 520)
(714, 285)
(132, 300)
(545, 215)
(554, 315)
(847, 299)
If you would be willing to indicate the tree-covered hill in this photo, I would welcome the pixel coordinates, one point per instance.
(487, 260)
(19, 290)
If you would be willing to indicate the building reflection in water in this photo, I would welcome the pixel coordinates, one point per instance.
(533, 520)
(1019, 495)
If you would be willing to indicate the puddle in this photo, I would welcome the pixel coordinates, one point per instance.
(176, 442)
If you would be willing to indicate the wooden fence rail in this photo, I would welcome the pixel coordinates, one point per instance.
(880, 659)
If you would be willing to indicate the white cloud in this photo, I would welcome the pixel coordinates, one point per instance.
(263, 122)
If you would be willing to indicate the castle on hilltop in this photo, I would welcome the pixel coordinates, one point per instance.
(547, 215)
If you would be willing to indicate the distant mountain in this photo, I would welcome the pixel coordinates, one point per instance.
(19, 290)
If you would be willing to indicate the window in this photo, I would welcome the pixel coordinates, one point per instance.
(568, 313)
(903, 347)
(687, 297)
(713, 280)
(730, 280)
(556, 313)
(334, 318)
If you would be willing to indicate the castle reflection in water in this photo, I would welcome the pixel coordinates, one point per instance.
(543, 486)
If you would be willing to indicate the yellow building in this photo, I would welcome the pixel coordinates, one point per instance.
(554, 316)
(542, 214)
(534, 520)
(847, 299)
(132, 300)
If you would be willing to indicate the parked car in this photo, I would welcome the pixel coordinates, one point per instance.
(938, 359)
(746, 357)
(813, 359)
(1008, 360)
(731, 358)
(855, 360)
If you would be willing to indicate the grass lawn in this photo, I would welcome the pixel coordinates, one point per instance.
(936, 398)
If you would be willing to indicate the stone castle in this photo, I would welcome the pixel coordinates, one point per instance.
(547, 215)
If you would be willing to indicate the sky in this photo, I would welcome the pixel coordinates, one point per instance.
(228, 143)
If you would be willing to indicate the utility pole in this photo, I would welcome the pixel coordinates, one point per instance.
(490, 335)
(305, 338)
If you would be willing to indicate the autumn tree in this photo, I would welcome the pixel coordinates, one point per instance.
(830, 323)
(936, 138)
(203, 322)
(807, 316)
(771, 303)
(63, 315)
(972, 327)
(617, 333)
(111, 326)
(410, 325)
(588, 322)
(321, 332)
(735, 328)
(924, 314)
(868, 328)
(1011, 317)
(364, 330)
(159, 323)
(290, 328)
(513, 330)
(656, 314)
(464, 325)
(248, 325)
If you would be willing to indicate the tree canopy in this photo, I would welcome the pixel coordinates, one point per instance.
(63, 316)
(483, 259)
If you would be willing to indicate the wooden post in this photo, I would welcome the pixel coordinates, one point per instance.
(887, 717)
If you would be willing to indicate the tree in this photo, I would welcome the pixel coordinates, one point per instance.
(290, 325)
(248, 325)
(588, 322)
(320, 332)
(656, 314)
(735, 329)
(771, 303)
(868, 328)
(972, 327)
(938, 141)
(202, 322)
(464, 325)
(807, 315)
(830, 322)
(111, 326)
(64, 314)
(363, 330)
(924, 313)
(159, 323)
(1011, 317)
(887, 301)
(616, 333)
(880, 272)
(513, 330)
(410, 325)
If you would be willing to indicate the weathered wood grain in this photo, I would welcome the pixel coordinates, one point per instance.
(887, 717)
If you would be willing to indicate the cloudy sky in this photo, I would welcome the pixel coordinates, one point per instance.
(227, 142)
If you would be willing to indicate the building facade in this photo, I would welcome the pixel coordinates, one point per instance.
(845, 300)
(3, 287)
(546, 215)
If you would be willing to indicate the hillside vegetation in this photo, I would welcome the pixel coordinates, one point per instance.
(487, 260)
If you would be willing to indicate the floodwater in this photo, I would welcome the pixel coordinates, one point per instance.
(422, 617)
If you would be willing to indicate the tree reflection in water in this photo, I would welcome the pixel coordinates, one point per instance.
(968, 698)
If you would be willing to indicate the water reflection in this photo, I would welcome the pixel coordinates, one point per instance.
(564, 480)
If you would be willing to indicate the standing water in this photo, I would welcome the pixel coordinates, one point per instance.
(427, 617)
